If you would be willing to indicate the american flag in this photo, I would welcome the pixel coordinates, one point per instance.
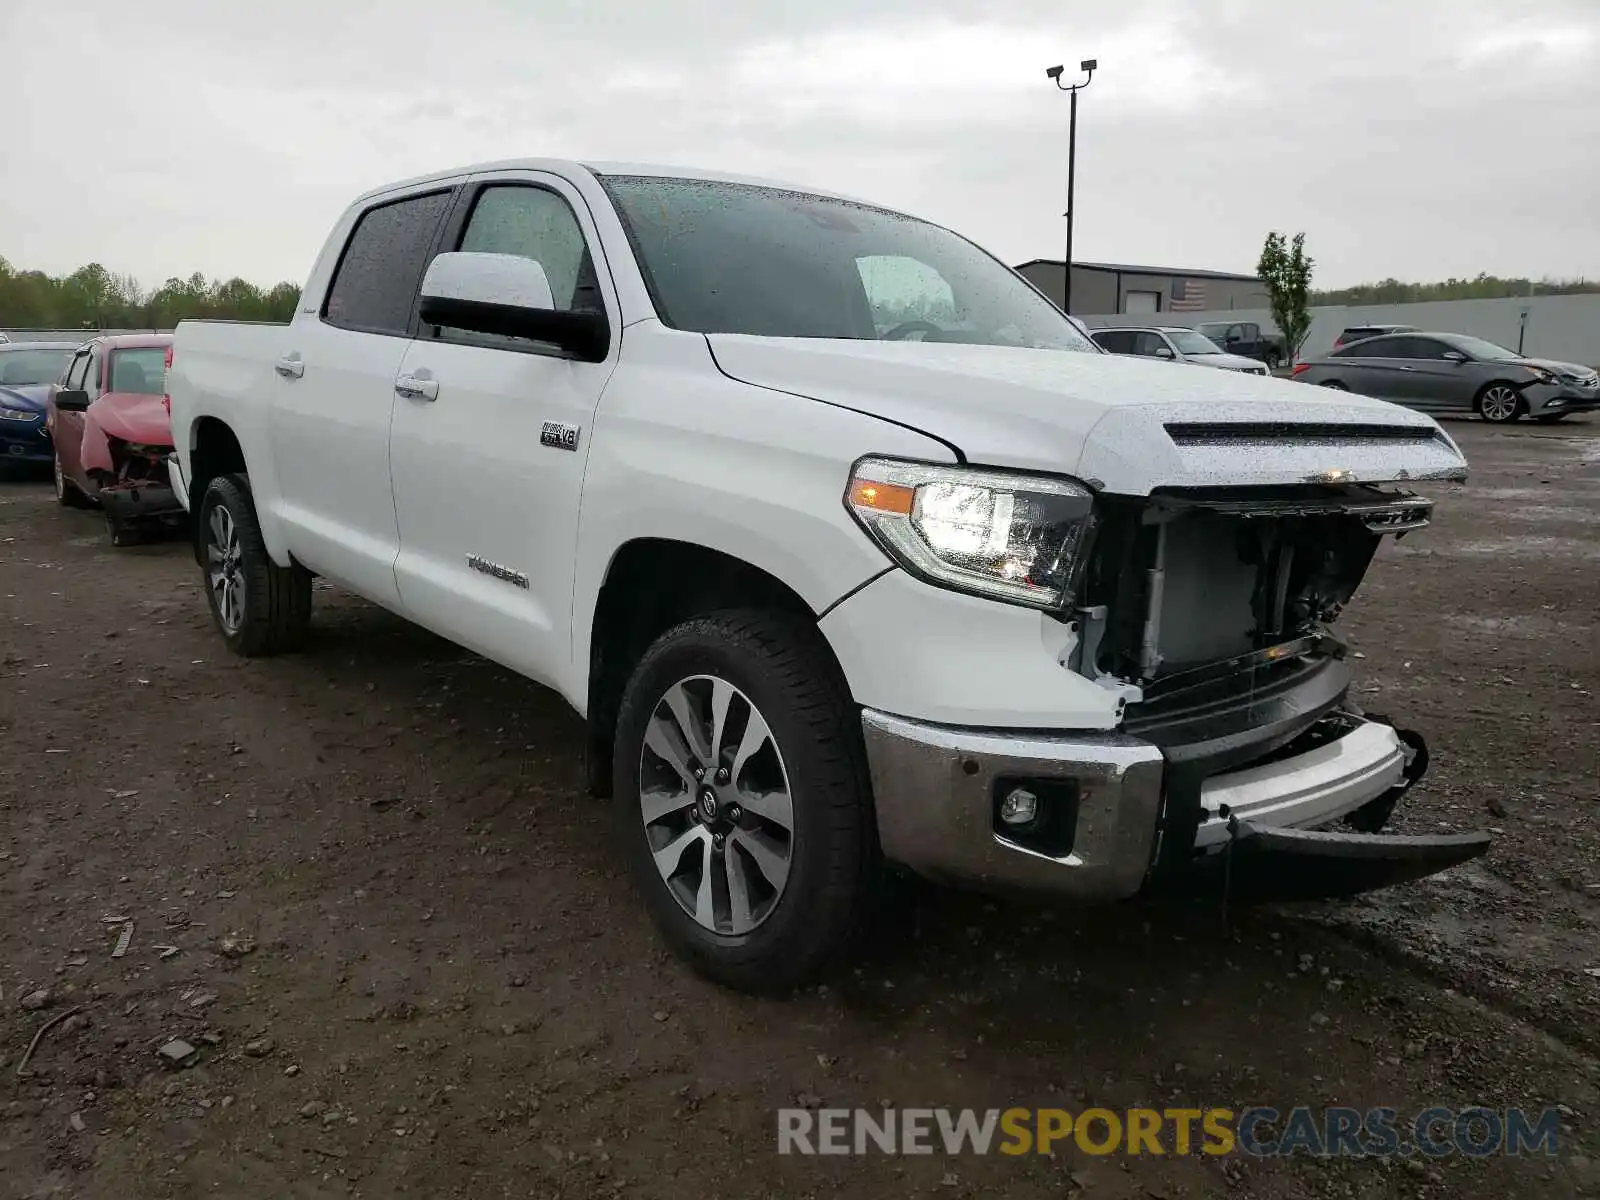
(1188, 295)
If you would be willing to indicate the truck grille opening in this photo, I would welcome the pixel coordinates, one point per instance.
(1192, 586)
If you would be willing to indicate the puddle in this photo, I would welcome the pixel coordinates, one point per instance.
(1549, 512)
(1532, 628)
(1527, 547)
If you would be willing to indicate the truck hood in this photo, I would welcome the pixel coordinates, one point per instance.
(1121, 425)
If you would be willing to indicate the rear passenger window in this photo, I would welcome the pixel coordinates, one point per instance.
(376, 282)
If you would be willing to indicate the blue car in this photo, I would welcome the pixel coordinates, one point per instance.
(28, 374)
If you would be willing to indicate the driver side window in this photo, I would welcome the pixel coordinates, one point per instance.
(901, 289)
(75, 372)
(91, 381)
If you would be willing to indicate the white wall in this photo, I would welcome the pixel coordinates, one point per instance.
(1560, 327)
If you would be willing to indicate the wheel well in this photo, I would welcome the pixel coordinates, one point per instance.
(214, 451)
(654, 584)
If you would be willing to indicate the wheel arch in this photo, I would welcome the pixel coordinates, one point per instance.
(650, 585)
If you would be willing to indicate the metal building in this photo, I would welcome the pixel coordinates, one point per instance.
(1110, 289)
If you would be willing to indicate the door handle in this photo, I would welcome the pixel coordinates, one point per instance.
(290, 366)
(417, 389)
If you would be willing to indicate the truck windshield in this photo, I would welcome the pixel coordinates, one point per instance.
(736, 258)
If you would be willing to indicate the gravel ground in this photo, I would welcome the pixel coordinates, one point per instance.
(365, 886)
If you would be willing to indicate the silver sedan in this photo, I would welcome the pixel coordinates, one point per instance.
(1454, 373)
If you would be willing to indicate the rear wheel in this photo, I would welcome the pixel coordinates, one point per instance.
(1499, 404)
(1274, 360)
(741, 798)
(259, 607)
(1334, 384)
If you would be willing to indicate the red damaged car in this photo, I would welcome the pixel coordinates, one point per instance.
(111, 425)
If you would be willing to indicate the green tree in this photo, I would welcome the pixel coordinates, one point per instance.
(1285, 268)
(93, 298)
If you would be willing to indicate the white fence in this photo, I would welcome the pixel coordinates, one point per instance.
(1560, 327)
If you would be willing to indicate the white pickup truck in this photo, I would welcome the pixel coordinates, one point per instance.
(850, 547)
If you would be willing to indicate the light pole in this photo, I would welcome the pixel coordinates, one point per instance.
(1087, 66)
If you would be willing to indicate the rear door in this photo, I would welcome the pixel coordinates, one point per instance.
(1374, 368)
(489, 445)
(1434, 382)
(333, 397)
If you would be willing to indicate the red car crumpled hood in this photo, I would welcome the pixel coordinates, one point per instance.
(131, 416)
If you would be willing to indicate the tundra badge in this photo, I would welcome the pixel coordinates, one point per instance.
(479, 563)
(559, 435)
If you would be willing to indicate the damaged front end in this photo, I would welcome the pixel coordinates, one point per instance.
(1210, 613)
(136, 492)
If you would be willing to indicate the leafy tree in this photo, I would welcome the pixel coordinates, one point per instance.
(1479, 287)
(93, 298)
(1285, 269)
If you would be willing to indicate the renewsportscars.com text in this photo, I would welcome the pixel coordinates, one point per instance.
(1259, 1131)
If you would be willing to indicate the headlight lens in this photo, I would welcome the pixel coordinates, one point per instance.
(17, 414)
(1543, 376)
(1000, 534)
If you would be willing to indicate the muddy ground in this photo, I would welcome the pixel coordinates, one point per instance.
(365, 885)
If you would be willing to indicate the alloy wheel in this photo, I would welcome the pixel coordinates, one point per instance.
(1499, 403)
(716, 805)
(224, 570)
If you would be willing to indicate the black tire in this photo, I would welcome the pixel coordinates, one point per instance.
(67, 493)
(275, 605)
(784, 668)
(1273, 360)
(1334, 384)
(1516, 411)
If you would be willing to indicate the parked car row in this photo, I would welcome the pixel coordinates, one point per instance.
(98, 414)
(1431, 372)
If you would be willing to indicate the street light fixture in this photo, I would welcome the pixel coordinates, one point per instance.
(1087, 66)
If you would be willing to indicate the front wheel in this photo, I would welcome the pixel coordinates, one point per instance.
(259, 607)
(742, 800)
(1499, 404)
(67, 493)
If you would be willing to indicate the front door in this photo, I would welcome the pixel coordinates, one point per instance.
(332, 388)
(490, 438)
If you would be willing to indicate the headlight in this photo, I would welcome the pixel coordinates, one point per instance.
(1543, 376)
(1000, 534)
(17, 414)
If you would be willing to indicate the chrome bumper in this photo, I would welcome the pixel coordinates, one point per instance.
(935, 788)
(938, 790)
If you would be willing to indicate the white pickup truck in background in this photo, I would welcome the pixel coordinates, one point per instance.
(850, 547)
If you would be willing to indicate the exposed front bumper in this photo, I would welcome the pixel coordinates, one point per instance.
(145, 501)
(938, 791)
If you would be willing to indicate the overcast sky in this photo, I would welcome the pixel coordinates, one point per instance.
(1414, 138)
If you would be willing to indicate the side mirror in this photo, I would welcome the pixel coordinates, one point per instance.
(1455, 356)
(1165, 352)
(71, 400)
(508, 295)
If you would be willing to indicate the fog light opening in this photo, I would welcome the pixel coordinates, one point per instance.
(1036, 814)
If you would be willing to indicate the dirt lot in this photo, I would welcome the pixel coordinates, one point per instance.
(365, 885)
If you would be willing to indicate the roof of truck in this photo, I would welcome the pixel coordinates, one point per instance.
(565, 166)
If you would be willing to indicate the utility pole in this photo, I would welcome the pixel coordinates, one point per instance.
(1088, 66)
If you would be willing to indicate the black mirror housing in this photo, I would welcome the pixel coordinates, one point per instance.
(584, 335)
(71, 400)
